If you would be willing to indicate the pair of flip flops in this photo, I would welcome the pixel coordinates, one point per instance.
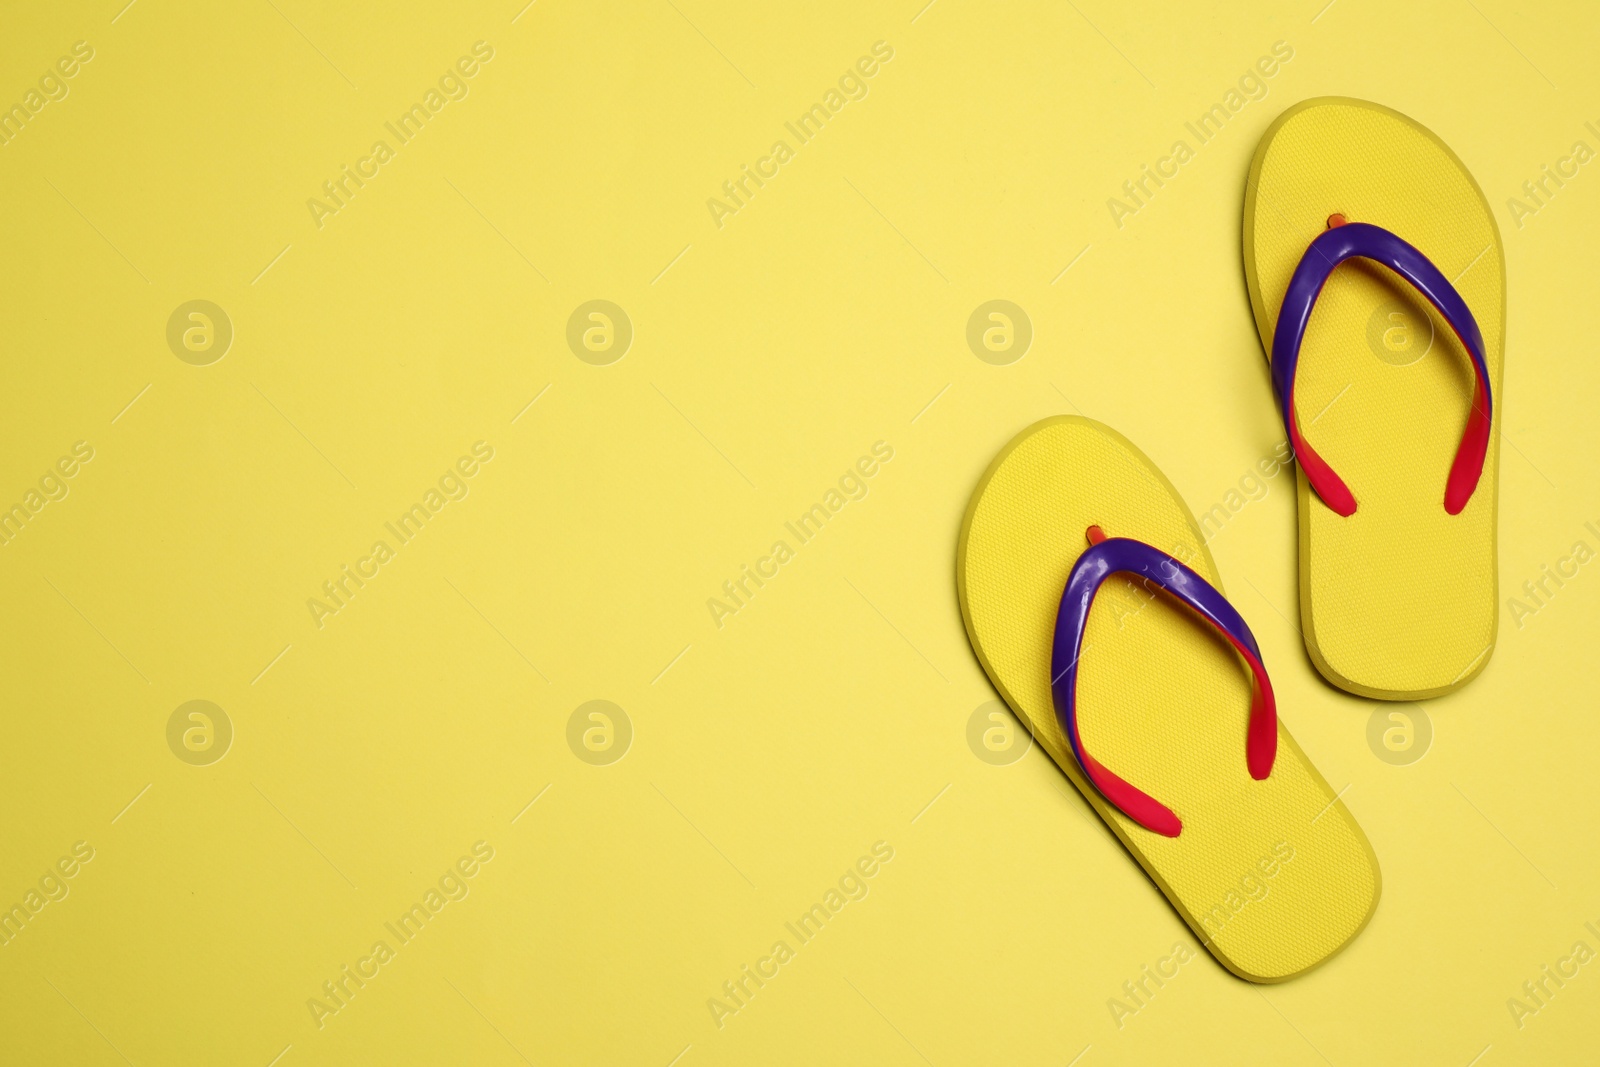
(1096, 609)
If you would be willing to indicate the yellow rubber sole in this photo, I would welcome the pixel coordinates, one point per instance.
(1273, 876)
(1398, 601)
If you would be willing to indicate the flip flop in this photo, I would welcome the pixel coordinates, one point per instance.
(1127, 649)
(1387, 371)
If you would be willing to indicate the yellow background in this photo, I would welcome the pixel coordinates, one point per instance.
(769, 354)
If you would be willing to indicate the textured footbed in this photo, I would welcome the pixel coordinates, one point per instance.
(1273, 876)
(1398, 601)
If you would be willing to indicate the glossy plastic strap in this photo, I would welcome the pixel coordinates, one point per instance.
(1331, 248)
(1120, 554)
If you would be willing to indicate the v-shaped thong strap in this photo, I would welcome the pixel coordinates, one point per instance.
(1339, 242)
(1108, 556)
